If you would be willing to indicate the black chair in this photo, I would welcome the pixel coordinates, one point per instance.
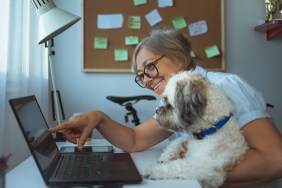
(128, 102)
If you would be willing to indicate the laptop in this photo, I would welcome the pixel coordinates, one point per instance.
(69, 169)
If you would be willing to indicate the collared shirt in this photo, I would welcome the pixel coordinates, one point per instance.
(248, 103)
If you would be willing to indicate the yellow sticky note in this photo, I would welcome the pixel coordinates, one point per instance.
(100, 43)
(139, 2)
(179, 23)
(134, 22)
(212, 51)
(121, 54)
(131, 40)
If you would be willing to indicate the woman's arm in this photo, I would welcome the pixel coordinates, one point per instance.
(139, 138)
(263, 162)
(143, 136)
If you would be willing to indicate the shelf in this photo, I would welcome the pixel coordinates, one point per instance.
(272, 28)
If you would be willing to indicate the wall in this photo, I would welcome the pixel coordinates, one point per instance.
(250, 55)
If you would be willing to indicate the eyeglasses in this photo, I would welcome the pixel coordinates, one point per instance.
(150, 70)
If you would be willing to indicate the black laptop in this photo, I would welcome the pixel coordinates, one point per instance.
(69, 169)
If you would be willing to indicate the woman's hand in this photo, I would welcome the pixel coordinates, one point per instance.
(79, 127)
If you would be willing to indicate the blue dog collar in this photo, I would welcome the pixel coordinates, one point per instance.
(202, 134)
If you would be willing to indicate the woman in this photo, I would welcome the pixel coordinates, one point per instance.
(156, 58)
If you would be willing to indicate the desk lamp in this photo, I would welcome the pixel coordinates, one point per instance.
(52, 22)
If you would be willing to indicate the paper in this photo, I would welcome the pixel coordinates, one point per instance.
(198, 28)
(134, 22)
(131, 40)
(192, 53)
(165, 3)
(100, 43)
(110, 21)
(121, 54)
(212, 51)
(139, 2)
(179, 23)
(153, 17)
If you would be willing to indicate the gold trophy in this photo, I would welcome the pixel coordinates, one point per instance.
(271, 7)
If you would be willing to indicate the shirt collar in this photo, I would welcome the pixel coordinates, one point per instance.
(201, 70)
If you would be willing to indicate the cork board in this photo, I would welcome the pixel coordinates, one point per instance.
(193, 11)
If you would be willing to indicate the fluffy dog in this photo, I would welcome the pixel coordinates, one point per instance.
(198, 107)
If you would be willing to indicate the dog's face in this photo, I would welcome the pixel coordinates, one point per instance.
(185, 100)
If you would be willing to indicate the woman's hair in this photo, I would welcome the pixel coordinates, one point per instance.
(169, 42)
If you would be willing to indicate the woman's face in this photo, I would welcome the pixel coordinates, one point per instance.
(166, 68)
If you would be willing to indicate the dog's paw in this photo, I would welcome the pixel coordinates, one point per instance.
(159, 172)
(163, 171)
(152, 173)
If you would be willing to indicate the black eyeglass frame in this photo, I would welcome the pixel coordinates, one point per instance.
(139, 77)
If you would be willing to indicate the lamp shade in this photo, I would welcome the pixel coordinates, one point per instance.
(52, 20)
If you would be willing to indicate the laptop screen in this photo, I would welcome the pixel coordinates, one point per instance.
(35, 129)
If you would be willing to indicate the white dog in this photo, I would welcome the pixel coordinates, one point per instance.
(196, 106)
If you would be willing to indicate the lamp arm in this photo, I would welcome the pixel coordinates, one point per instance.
(55, 95)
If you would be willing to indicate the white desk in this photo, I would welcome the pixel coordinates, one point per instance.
(27, 174)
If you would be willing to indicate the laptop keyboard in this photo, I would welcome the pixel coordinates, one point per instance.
(81, 167)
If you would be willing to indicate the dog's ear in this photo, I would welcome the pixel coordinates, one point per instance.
(190, 100)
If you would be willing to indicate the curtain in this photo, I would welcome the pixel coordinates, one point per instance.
(23, 71)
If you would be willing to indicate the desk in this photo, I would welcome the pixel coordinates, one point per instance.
(26, 174)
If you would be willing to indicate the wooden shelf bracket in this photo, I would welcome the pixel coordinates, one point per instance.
(272, 28)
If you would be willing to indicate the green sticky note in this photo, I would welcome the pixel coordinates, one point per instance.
(100, 43)
(212, 51)
(132, 70)
(192, 54)
(131, 40)
(179, 23)
(134, 22)
(121, 54)
(139, 2)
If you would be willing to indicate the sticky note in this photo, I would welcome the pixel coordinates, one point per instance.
(212, 51)
(165, 3)
(198, 28)
(134, 22)
(139, 2)
(100, 43)
(153, 17)
(110, 21)
(192, 54)
(179, 23)
(121, 54)
(131, 40)
(132, 70)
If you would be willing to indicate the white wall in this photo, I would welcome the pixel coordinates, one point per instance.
(250, 55)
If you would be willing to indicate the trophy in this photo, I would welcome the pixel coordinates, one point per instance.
(271, 7)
